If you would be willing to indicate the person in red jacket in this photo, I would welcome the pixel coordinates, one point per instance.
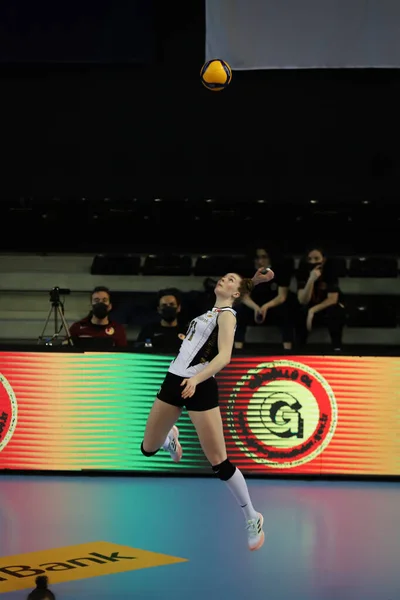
(97, 330)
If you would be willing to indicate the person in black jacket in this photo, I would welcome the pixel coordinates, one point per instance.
(167, 332)
(320, 298)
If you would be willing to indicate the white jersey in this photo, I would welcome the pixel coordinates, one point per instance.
(200, 345)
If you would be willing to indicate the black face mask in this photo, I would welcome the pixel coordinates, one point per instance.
(100, 310)
(169, 313)
(313, 266)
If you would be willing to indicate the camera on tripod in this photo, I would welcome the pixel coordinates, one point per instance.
(56, 292)
(60, 324)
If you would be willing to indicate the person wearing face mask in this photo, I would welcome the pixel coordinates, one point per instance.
(167, 333)
(98, 330)
(320, 298)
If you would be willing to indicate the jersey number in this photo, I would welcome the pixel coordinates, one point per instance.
(191, 331)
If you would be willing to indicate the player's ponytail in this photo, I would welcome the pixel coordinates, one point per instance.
(245, 288)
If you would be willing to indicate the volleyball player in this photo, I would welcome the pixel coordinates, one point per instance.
(190, 382)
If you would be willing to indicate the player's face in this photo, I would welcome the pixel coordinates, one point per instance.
(228, 286)
(315, 258)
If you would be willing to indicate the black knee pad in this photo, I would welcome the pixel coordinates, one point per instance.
(225, 470)
(145, 451)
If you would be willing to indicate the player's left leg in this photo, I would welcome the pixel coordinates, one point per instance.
(209, 428)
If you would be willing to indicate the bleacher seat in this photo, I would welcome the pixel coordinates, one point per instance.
(371, 311)
(115, 264)
(373, 266)
(215, 266)
(158, 264)
(340, 266)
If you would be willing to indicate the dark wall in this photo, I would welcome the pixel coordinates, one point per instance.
(77, 31)
(154, 130)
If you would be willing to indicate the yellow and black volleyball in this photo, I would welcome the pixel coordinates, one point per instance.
(216, 75)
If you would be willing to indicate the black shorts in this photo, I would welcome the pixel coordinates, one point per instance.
(204, 398)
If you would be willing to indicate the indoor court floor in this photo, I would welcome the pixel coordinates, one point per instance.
(183, 538)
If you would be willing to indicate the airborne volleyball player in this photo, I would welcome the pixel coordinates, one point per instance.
(190, 382)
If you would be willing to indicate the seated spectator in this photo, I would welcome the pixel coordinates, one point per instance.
(268, 302)
(41, 591)
(320, 298)
(167, 333)
(98, 330)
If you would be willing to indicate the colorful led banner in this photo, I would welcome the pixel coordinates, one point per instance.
(299, 415)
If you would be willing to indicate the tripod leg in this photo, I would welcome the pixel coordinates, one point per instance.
(64, 325)
(56, 309)
(40, 338)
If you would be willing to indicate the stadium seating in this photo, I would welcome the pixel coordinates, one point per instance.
(138, 245)
(372, 303)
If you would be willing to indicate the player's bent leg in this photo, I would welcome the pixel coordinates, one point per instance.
(161, 431)
(209, 428)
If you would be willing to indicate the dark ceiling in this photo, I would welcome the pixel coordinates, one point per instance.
(148, 127)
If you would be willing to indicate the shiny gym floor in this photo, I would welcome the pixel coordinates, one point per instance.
(324, 540)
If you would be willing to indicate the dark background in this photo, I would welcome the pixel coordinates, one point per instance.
(77, 31)
(110, 105)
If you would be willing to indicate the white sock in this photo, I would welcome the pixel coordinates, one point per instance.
(167, 442)
(165, 445)
(238, 486)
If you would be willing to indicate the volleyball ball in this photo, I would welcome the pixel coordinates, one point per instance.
(216, 75)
